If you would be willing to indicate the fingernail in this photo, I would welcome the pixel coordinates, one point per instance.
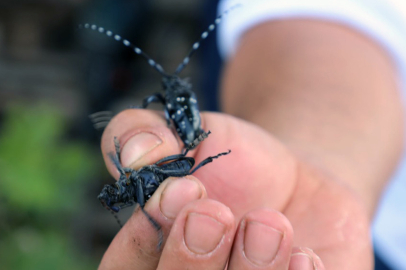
(261, 243)
(177, 194)
(301, 261)
(203, 233)
(137, 147)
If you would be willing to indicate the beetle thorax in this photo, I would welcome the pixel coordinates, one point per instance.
(174, 85)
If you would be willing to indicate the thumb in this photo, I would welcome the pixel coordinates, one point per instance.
(260, 171)
(143, 137)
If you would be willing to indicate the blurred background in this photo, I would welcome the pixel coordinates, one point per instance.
(52, 76)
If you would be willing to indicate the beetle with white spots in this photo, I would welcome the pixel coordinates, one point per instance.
(179, 100)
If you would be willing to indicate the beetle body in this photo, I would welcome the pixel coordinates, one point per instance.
(141, 184)
(182, 108)
(137, 186)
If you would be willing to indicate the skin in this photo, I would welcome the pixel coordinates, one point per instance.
(316, 133)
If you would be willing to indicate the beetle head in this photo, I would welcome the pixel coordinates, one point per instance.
(109, 196)
(175, 83)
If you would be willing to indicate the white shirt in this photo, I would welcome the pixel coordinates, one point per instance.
(382, 20)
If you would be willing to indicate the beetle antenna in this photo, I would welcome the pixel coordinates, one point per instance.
(156, 226)
(117, 219)
(114, 215)
(126, 43)
(203, 36)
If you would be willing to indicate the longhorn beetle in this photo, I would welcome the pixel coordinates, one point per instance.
(180, 103)
(137, 186)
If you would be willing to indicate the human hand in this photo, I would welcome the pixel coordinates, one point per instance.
(261, 182)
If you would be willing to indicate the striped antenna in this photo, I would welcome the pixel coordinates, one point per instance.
(203, 36)
(126, 43)
(114, 215)
(101, 119)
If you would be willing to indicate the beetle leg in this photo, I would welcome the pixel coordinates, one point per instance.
(196, 142)
(173, 157)
(127, 204)
(208, 160)
(115, 158)
(141, 202)
(167, 117)
(117, 147)
(116, 162)
(157, 98)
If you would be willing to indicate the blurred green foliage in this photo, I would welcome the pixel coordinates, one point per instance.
(42, 180)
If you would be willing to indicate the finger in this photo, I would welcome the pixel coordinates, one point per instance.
(136, 245)
(143, 136)
(263, 241)
(201, 237)
(255, 154)
(305, 259)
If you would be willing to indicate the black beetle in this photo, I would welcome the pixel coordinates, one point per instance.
(137, 186)
(180, 103)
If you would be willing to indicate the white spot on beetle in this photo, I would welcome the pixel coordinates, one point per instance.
(158, 66)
